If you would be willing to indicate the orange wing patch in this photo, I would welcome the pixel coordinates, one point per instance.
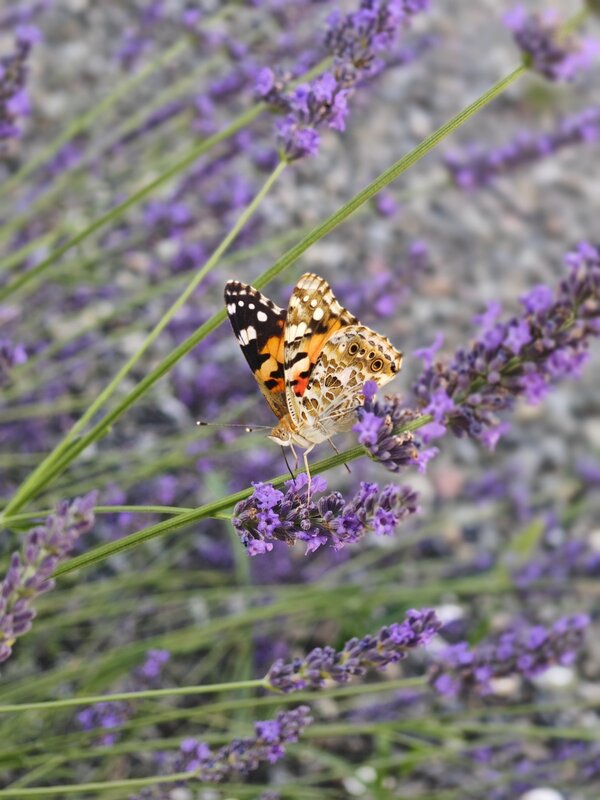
(313, 316)
(259, 325)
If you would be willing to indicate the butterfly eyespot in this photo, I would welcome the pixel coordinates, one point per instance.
(353, 349)
(377, 365)
(371, 355)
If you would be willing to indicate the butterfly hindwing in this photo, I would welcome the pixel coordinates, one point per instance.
(353, 355)
(313, 316)
(259, 326)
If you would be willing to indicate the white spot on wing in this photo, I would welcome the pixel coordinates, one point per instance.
(261, 316)
(241, 303)
(247, 335)
(318, 314)
(231, 308)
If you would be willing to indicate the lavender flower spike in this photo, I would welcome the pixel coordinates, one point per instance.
(29, 574)
(272, 515)
(390, 645)
(526, 651)
(14, 101)
(478, 167)
(522, 357)
(242, 756)
(547, 49)
(109, 716)
(379, 430)
(354, 40)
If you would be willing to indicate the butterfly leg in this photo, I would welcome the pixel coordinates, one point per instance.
(296, 459)
(306, 467)
(338, 452)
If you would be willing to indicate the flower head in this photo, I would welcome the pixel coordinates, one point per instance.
(478, 167)
(242, 756)
(271, 515)
(390, 645)
(521, 650)
(355, 41)
(547, 49)
(379, 429)
(522, 357)
(30, 571)
(14, 99)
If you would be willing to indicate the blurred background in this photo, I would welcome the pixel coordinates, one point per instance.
(116, 95)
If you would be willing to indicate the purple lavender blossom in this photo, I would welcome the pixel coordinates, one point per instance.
(379, 430)
(519, 358)
(390, 645)
(30, 571)
(522, 650)
(242, 756)
(14, 100)
(272, 515)
(136, 39)
(152, 667)
(546, 48)
(555, 569)
(10, 355)
(109, 716)
(477, 167)
(354, 40)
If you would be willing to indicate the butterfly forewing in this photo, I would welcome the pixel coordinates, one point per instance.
(313, 316)
(259, 328)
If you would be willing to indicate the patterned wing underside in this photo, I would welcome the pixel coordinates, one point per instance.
(313, 317)
(350, 357)
(259, 328)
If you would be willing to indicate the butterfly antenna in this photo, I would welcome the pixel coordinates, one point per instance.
(287, 462)
(247, 428)
(339, 454)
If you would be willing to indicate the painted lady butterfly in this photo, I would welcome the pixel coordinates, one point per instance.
(310, 361)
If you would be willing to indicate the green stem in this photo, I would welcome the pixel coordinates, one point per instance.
(95, 786)
(54, 457)
(209, 510)
(27, 490)
(143, 695)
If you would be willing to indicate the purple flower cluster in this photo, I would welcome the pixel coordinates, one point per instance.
(136, 38)
(522, 650)
(242, 756)
(10, 354)
(272, 515)
(478, 167)
(390, 645)
(546, 48)
(573, 559)
(381, 430)
(354, 40)
(29, 573)
(14, 100)
(110, 715)
(522, 357)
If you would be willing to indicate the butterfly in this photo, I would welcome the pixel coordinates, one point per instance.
(310, 360)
